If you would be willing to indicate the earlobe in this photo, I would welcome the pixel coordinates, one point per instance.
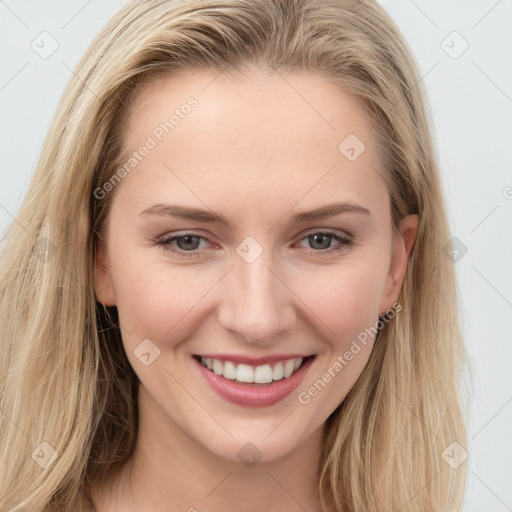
(403, 244)
(103, 284)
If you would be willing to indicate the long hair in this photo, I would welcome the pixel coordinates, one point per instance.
(68, 409)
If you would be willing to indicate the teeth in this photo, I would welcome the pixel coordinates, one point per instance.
(229, 370)
(244, 372)
(263, 374)
(217, 367)
(288, 368)
(278, 372)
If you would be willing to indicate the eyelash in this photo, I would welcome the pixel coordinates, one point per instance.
(165, 243)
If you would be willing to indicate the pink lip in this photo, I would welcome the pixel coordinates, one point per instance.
(253, 395)
(254, 361)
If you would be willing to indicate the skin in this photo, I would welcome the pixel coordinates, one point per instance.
(257, 149)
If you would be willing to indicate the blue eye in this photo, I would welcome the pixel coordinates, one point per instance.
(187, 245)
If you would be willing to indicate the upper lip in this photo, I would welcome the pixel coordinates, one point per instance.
(254, 361)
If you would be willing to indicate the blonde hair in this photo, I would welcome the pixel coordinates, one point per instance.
(64, 377)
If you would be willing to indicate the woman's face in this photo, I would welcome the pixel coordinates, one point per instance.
(254, 230)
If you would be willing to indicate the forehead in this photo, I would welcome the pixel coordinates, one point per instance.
(252, 131)
(261, 98)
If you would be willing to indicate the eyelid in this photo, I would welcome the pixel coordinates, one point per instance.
(182, 233)
(328, 231)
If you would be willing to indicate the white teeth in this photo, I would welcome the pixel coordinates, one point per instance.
(244, 373)
(288, 368)
(217, 367)
(229, 370)
(263, 374)
(277, 372)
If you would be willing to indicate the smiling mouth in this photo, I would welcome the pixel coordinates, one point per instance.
(249, 374)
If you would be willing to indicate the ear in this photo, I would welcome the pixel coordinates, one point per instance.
(103, 284)
(402, 246)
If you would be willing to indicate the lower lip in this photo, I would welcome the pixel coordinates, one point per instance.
(254, 395)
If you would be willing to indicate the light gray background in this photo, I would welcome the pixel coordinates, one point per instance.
(471, 98)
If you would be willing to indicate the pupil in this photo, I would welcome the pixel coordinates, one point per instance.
(315, 238)
(188, 239)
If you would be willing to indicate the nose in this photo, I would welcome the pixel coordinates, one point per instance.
(256, 304)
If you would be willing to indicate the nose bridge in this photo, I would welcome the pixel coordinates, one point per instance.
(256, 304)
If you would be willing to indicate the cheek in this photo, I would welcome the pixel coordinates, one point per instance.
(346, 302)
(155, 301)
(345, 298)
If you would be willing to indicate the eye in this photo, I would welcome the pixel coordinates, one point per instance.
(185, 245)
(188, 245)
(321, 241)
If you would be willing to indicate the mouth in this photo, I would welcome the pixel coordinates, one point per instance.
(262, 374)
(257, 384)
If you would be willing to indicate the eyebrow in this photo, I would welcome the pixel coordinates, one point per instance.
(200, 215)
